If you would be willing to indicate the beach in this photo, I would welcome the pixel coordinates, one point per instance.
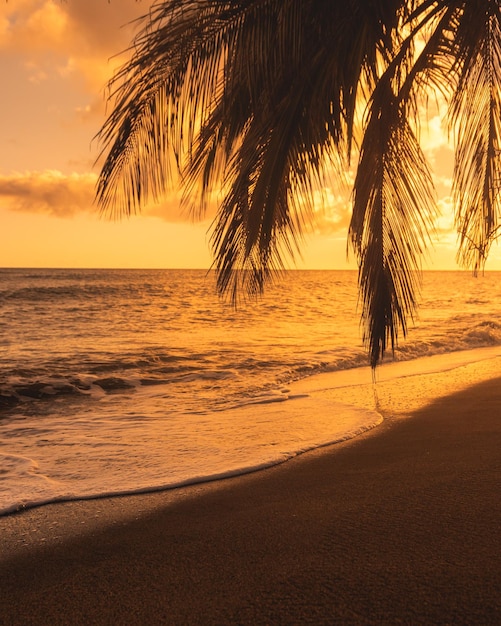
(399, 525)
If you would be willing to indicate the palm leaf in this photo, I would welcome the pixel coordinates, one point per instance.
(476, 119)
(392, 215)
(256, 96)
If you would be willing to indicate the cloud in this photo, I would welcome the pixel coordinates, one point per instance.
(59, 195)
(107, 26)
(331, 212)
(445, 222)
(33, 26)
(63, 25)
(49, 192)
(101, 32)
(171, 210)
(77, 38)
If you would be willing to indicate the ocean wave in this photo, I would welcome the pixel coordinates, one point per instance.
(237, 364)
(461, 336)
(242, 380)
(14, 392)
(486, 333)
(60, 293)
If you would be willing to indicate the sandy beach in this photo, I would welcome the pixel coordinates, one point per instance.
(400, 525)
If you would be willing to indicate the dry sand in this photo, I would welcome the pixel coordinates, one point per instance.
(401, 525)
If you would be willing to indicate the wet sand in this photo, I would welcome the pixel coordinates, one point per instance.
(401, 525)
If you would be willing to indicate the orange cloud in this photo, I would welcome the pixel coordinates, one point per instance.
(49, 192)
(81, 37)
(33, 25)
(53, 193)
(331, 212)
(70, 25)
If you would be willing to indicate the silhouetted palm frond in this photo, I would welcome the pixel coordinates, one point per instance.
(392, 215)
(258, 101)
(476, 118)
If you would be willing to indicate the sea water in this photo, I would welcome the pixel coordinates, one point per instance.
(121, 381)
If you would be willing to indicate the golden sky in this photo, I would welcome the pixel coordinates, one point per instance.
(55, 59)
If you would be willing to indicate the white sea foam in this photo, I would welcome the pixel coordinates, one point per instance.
(96, 458)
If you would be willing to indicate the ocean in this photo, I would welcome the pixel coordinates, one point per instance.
(124, 381)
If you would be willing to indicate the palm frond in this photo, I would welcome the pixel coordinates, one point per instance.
(161, 97)
(392, 215)
(476, 119)
(256, 96)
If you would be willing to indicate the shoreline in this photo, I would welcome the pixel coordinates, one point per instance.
(398, 524)
(240, 459)
(401, 387)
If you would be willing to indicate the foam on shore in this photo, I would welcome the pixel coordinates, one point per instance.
(149, 456)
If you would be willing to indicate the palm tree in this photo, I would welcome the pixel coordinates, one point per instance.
(263, 99)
